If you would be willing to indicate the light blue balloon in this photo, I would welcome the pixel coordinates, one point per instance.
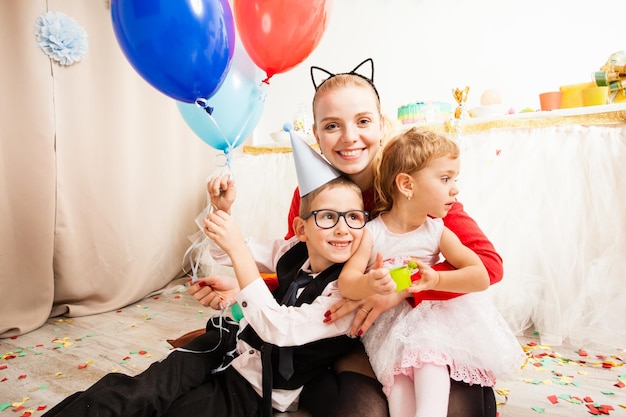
(236, 107)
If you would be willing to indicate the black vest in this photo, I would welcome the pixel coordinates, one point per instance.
(311, 358)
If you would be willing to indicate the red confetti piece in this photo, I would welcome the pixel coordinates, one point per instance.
(82, 366)
(42, 407)
(581, 352)
(553, 399)
(27, 414)
(20, 408)
(126, 358)
(21, 377)
(118, 311)
(620, 384)
(157, 297)
(13, 337)
(4, 379)
(4, 366)
(588, 399)
(607, 365)
(142, 352)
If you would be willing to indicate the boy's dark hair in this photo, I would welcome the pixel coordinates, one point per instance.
(305, 202)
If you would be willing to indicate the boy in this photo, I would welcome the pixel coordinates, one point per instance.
(248, 369)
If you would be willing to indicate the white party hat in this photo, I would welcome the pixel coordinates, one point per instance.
(312, 169)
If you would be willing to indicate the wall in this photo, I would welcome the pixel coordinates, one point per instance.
(423, 49)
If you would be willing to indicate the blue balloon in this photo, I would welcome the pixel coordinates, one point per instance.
(183, 48)
(236, 107)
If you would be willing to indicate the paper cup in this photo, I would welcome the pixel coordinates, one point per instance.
(402, 276)
(595, 96)
(550, 100)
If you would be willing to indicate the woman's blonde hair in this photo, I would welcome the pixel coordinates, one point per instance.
(408, 152)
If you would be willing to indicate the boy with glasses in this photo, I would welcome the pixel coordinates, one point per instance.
(260, 364)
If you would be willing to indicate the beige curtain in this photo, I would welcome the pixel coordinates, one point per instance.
(100, 177)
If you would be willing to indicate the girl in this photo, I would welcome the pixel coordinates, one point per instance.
(414, 351)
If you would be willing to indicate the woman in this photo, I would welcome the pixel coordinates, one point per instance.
(350, 130)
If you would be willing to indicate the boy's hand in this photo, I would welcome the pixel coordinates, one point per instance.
(215, 291)
(222, 192)
(429, 279)
(379, 279)
(222, 229)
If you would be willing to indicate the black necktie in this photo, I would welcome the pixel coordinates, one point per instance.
(302, 280)
(285, 357)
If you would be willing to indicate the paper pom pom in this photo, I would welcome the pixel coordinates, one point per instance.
(61, 37)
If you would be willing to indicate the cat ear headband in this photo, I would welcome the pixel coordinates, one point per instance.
(355, 71)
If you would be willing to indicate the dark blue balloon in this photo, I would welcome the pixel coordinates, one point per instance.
(183, 48)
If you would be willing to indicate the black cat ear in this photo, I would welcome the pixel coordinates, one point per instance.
(319, 75)
(358, 70)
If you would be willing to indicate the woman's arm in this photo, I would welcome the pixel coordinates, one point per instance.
(294, 211)
(468, 232)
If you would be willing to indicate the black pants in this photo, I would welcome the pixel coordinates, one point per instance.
(181, 385)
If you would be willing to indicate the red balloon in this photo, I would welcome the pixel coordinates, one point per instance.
(279, 34)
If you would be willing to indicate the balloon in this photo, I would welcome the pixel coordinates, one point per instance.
(279, 34)
(236, 107)
(183, 48)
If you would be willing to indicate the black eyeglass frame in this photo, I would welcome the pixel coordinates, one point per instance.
(339, 214)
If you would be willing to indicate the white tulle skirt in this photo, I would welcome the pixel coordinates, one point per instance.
(467, 334)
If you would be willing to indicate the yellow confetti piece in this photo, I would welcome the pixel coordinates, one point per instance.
(582, 372)
(58, 373)
(503, 391)
(17, 404)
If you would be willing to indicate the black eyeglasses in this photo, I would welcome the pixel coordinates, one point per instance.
(327, 219)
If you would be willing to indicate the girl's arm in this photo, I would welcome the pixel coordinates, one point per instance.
(470, 274)
(355, 283)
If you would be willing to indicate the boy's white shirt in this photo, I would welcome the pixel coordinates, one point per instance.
(278, 324)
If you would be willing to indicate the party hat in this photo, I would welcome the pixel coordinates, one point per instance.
(312, 170)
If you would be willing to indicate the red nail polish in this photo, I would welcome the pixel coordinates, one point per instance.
(202, 284)
(327, 313)
(360, 332)
(326, 319)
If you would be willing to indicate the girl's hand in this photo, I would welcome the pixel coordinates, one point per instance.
(222, 192)
(429, 279)
(215, 291)
(379, 279)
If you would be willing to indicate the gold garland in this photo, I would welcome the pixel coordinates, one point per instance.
(474, 126)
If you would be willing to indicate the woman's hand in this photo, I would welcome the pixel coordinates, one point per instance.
(215, 291)
(368, 310)
(222, 192)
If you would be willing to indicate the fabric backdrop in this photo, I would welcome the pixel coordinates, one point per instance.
(100, 177)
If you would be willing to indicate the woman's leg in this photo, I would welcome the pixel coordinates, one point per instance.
(351, 390)
(471, 400)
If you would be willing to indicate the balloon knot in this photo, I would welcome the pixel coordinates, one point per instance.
(267, 80)
(209, 110)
